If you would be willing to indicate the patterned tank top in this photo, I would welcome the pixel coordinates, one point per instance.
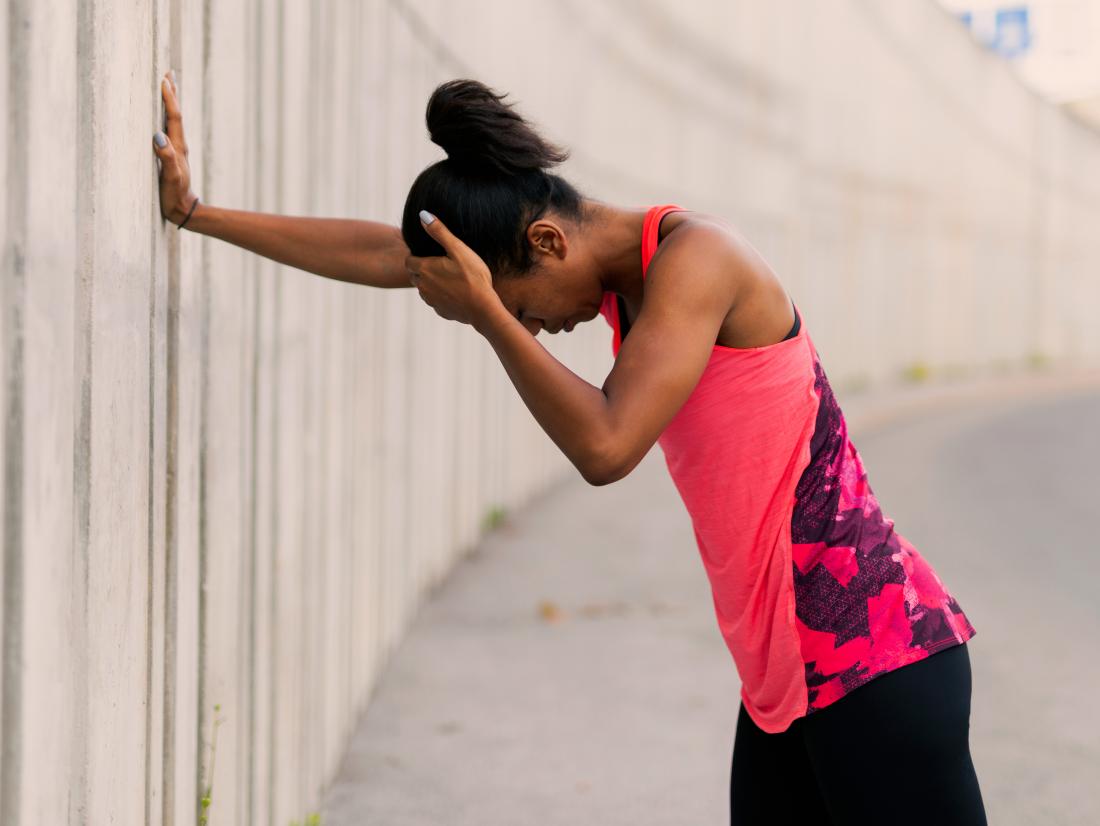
(814, 590)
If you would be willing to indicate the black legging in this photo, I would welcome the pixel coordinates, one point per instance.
(896, 750)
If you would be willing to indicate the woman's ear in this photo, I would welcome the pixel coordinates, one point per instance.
(547, 237)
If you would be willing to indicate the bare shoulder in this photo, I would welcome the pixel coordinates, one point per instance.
(706, 259)
(701, 254)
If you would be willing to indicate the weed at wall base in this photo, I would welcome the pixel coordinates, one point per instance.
(208, 792)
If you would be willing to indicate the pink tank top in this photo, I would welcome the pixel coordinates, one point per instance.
(815, 591)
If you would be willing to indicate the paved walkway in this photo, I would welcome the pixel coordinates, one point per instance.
(571, 671)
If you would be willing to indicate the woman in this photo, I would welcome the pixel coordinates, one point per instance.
(856, 682)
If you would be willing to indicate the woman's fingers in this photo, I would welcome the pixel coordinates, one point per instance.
(169, 169)
(173, 117)
(170, 146)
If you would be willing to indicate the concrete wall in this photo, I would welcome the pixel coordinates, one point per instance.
(227, 482)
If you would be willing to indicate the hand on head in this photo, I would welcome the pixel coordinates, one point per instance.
(457, 285)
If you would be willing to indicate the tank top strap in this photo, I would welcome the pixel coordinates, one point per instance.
(651, 230)
(610, 308)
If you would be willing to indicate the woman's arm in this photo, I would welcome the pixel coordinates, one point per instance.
(347, 249)
(606, 431)
(690, 286)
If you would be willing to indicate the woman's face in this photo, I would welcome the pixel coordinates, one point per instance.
(562, 290)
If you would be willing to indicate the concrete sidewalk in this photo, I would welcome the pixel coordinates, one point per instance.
(571, 669)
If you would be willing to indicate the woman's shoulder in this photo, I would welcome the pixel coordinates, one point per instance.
(691, 217)
(693, 258)
(699, 241)
(708, 254)
(704, 232)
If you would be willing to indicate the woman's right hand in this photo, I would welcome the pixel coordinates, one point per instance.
(176, 196)
(347, 249)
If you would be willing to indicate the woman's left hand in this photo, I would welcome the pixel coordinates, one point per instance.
(458, 285)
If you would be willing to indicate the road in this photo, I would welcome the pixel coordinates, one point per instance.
(571, 670)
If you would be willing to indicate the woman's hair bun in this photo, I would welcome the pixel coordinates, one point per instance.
(479, 131)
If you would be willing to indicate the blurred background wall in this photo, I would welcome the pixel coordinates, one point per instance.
(227, 483)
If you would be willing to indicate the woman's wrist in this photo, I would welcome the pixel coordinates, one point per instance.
(492, 317)
(186, 210)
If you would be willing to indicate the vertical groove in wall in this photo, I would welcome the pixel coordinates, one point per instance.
(245, 314)
(386, 352)
(171, 581)
(86, 184)
(408, 481)
(204, 394)
(241, 658)
(304, 615)
(322, 84)
(151, 478)
(171, 603)
(275, 373)
(258, 158)
(408, 533)
(13, 298)
(309, 562)
(357, 470)
(273, 596)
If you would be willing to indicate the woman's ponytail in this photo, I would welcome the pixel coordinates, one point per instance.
(494, 181)
(478, 129)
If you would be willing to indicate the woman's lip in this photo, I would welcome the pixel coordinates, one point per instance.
(568, 326)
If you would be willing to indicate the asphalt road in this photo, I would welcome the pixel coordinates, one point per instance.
(571, 670)
(1004, 500)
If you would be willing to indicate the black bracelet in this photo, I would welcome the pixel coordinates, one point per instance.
(189, 212)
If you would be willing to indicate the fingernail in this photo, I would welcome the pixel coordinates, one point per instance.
(172, 74)
(160, 140)
(426, 216)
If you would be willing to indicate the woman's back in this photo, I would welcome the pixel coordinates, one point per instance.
(814, 591)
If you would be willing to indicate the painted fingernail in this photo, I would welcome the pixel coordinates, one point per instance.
(426, 216)
(160, 140)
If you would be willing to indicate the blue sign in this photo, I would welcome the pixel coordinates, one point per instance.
(1013, 33)
(1006, 31)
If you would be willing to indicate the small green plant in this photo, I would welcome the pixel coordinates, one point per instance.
(916, 372)
(857, 383)
(1037, 360)
(311, 820)
(494, 517)
(208, 791)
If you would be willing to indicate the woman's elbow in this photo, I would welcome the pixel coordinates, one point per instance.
(606, 470)
(598, 479)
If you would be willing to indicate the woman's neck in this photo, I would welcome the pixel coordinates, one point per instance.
(615, 239)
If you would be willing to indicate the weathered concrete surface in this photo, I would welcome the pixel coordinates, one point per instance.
(619, 705)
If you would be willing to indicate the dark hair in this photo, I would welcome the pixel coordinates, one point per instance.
(492, 184)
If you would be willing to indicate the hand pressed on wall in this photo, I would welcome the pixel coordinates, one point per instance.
(176, 197)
